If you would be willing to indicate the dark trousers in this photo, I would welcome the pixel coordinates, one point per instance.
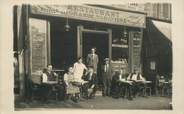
(137, 87)
(126, 89)
(85, 88)
(46, 91)
(106, 87)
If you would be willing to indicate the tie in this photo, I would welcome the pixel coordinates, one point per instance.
(90, 76)
(106, 68)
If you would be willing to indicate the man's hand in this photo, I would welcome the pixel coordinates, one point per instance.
(92, 86)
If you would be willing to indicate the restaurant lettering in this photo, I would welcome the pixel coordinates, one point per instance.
(89, 13)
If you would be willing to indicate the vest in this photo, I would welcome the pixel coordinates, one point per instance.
(51, 76)
(138, 76)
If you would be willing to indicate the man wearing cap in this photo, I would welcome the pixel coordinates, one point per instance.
(106, 78)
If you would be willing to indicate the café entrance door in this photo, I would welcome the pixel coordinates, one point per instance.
(101, 40)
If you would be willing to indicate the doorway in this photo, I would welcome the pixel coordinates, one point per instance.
(100, 42)
(63, 46)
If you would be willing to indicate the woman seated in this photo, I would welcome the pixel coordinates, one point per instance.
(70, 88)
(89, 88)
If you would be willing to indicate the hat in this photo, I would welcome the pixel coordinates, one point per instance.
(162, 77)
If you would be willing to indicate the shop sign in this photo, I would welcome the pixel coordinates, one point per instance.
(90, 13)
(38, 48)
(152, 65)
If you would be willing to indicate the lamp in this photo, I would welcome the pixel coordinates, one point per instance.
(125, 32)
(124, 36)
(67, 26)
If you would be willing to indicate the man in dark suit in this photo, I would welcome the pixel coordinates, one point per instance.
(92, 82)
(92, 60)
(106, 77)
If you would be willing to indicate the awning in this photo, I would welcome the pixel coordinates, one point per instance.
(158, 37)
(164, 28)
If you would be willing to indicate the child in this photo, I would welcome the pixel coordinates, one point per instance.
(70, 88)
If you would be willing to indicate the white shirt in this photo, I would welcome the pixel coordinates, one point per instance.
(68, 78)
(78, 70)
(44, 78)
(106, 67)
(134, 77)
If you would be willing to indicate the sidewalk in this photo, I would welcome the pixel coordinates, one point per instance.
(99, 102)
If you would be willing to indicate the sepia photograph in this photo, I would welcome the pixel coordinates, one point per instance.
(93, 56)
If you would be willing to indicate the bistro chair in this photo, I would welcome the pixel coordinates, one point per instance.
(35, 86)
(166, 89)
(73, 92)
(145, 91)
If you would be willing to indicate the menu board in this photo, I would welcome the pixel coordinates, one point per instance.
(119, 65)
(135, 42)
(38, 44)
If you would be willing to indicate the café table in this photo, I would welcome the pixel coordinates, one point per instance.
(52, 88)
(166, 87)
(145, 82)
(145, 88)
(125, 81)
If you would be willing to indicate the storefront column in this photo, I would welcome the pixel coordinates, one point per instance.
(79, 41)
(48, 42)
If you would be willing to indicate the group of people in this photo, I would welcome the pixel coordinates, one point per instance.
(130, 84)
(78, 77)
(118, 84)
(82, 78)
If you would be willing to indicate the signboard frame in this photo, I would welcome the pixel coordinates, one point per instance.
(39, 35)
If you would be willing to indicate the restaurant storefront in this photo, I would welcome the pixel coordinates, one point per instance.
(58, 35)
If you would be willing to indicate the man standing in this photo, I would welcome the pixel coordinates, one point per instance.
(92, 60)
(106, 79)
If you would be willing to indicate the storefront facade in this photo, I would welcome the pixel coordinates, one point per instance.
(58, 35)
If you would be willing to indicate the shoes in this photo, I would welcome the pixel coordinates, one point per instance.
(92, 96)
(130, 98)
(74, 99)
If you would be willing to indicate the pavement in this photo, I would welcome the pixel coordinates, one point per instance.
(99, 102)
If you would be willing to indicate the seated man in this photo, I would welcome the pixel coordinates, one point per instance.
(47, 76)
(125, 85)
(138, 81)
(45, 86)
(51, 75)
(91, 84)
